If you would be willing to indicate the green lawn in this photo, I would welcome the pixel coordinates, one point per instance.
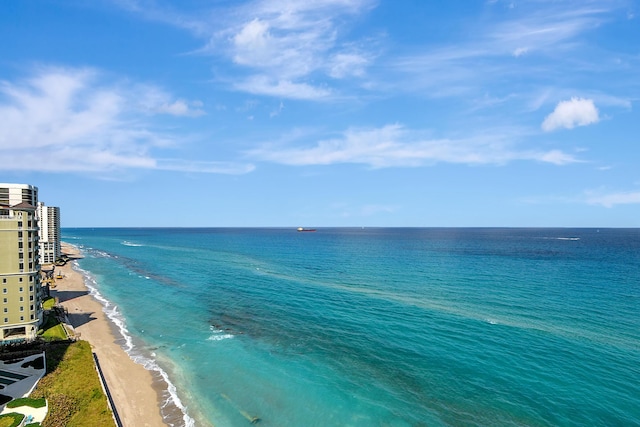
(51, 329)
(48, 303)
(55, 332)
(72, 388)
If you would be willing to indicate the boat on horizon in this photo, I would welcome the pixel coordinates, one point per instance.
(306, 229)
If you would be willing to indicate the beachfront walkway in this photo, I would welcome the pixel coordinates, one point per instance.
(37, 414)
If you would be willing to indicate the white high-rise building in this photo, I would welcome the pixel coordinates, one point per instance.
(49, 233)
(14, 194)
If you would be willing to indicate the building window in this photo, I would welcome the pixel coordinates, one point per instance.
(21, 308)
(5, 300)
(4, 291)
(21, 318)
(31, 307)
(32, 317)
(31, 288)
(6, 320)
(6, 310)
(4, 280)
(20, 280)
(21, 288)
(21, 299)
(30, 297)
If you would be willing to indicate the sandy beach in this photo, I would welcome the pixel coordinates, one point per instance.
(130, 384)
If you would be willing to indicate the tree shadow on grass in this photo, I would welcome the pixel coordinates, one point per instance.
(55, 352)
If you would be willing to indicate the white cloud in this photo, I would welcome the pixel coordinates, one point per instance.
(277, 111)
(610, 200)
(287, 39)
(230, 168)
(555, 31)
(254, 46)
(520, 51)
(286, 42)
(572, 113)
(66, 119)
(263, 85)
(395, 146)
(347, 64)
(154, 100)
(555, 157)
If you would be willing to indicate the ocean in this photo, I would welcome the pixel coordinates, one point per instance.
(401, 327)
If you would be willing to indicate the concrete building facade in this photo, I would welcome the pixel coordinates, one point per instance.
(13, 194)
(20, 287)
(49, 233)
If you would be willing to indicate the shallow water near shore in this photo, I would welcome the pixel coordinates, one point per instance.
(379, 327)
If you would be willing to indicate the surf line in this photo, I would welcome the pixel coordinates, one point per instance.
(249, 417)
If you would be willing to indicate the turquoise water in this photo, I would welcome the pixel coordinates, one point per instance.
(379, 327)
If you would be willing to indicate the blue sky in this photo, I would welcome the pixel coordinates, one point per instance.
(324, 112)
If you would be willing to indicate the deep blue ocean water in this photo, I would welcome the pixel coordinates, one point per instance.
(379, 327)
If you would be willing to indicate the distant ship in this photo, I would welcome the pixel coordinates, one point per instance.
(306, 229)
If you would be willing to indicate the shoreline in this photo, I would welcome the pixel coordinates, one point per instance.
(139, 393)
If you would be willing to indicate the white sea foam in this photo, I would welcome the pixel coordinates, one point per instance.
(127, 243)
(150, 364)
(219, 335)
(102, 254)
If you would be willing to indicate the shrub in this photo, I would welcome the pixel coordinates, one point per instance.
(11, 420)
(27, 401)
(62, 409)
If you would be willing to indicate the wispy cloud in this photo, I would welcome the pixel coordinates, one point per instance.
(347, 210)
(70, 119)
(524, 47)
(283, 43)
(264, 85)
(610, 200)
(153, 100)
(395, 146)
(278, 48)
(571, 113)
(179, 165)
(547, 26)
